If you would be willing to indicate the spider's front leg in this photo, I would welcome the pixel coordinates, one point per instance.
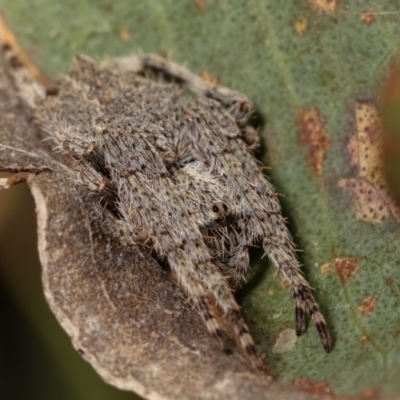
(214, 140)
(267, 226)
(238, 104)
(169, 69)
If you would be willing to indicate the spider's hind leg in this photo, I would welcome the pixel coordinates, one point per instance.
(203, 280)
(265, 224)
(283, 257)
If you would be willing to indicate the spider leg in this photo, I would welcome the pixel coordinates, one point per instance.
(255, 205)
(204, 278)
(269, 226)
(192, 285)
(283, 257)
(239, 262)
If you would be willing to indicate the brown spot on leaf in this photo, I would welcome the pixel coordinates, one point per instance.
(108, 8)
(201, 4)
(209, 78)
(368, 17)
(314, 388)
(124, 33)
(314, 136)
(370, 394)
(368, 305)
(368, 190)
(300, 26)
(364, 339)
(326, 6)
(326, 268)
(346, 268)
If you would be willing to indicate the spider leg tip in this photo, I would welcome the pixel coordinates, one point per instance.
(327, 343)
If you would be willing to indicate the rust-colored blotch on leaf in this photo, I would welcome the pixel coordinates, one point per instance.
(300, 26)
(370, 394)
(314, 388)
(346, 268)
(368, 305)
(326, 6)
(368, 17)
(325, 268)
(314, 136)
(201, 4)
(124, 33)
(364, 339)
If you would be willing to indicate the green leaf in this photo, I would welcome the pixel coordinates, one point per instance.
(307, 70)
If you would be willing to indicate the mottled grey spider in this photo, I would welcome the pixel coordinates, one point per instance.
(178, 173)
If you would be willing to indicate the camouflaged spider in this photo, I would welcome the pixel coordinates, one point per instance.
(179, 175)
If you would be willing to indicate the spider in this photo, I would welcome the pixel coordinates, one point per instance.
(177, 171)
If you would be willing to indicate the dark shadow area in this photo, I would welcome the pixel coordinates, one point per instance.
(25, 359)
(37, 359)
(257, 120)
(256, 274)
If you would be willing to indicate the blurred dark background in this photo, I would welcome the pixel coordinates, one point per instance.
(37, 360)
